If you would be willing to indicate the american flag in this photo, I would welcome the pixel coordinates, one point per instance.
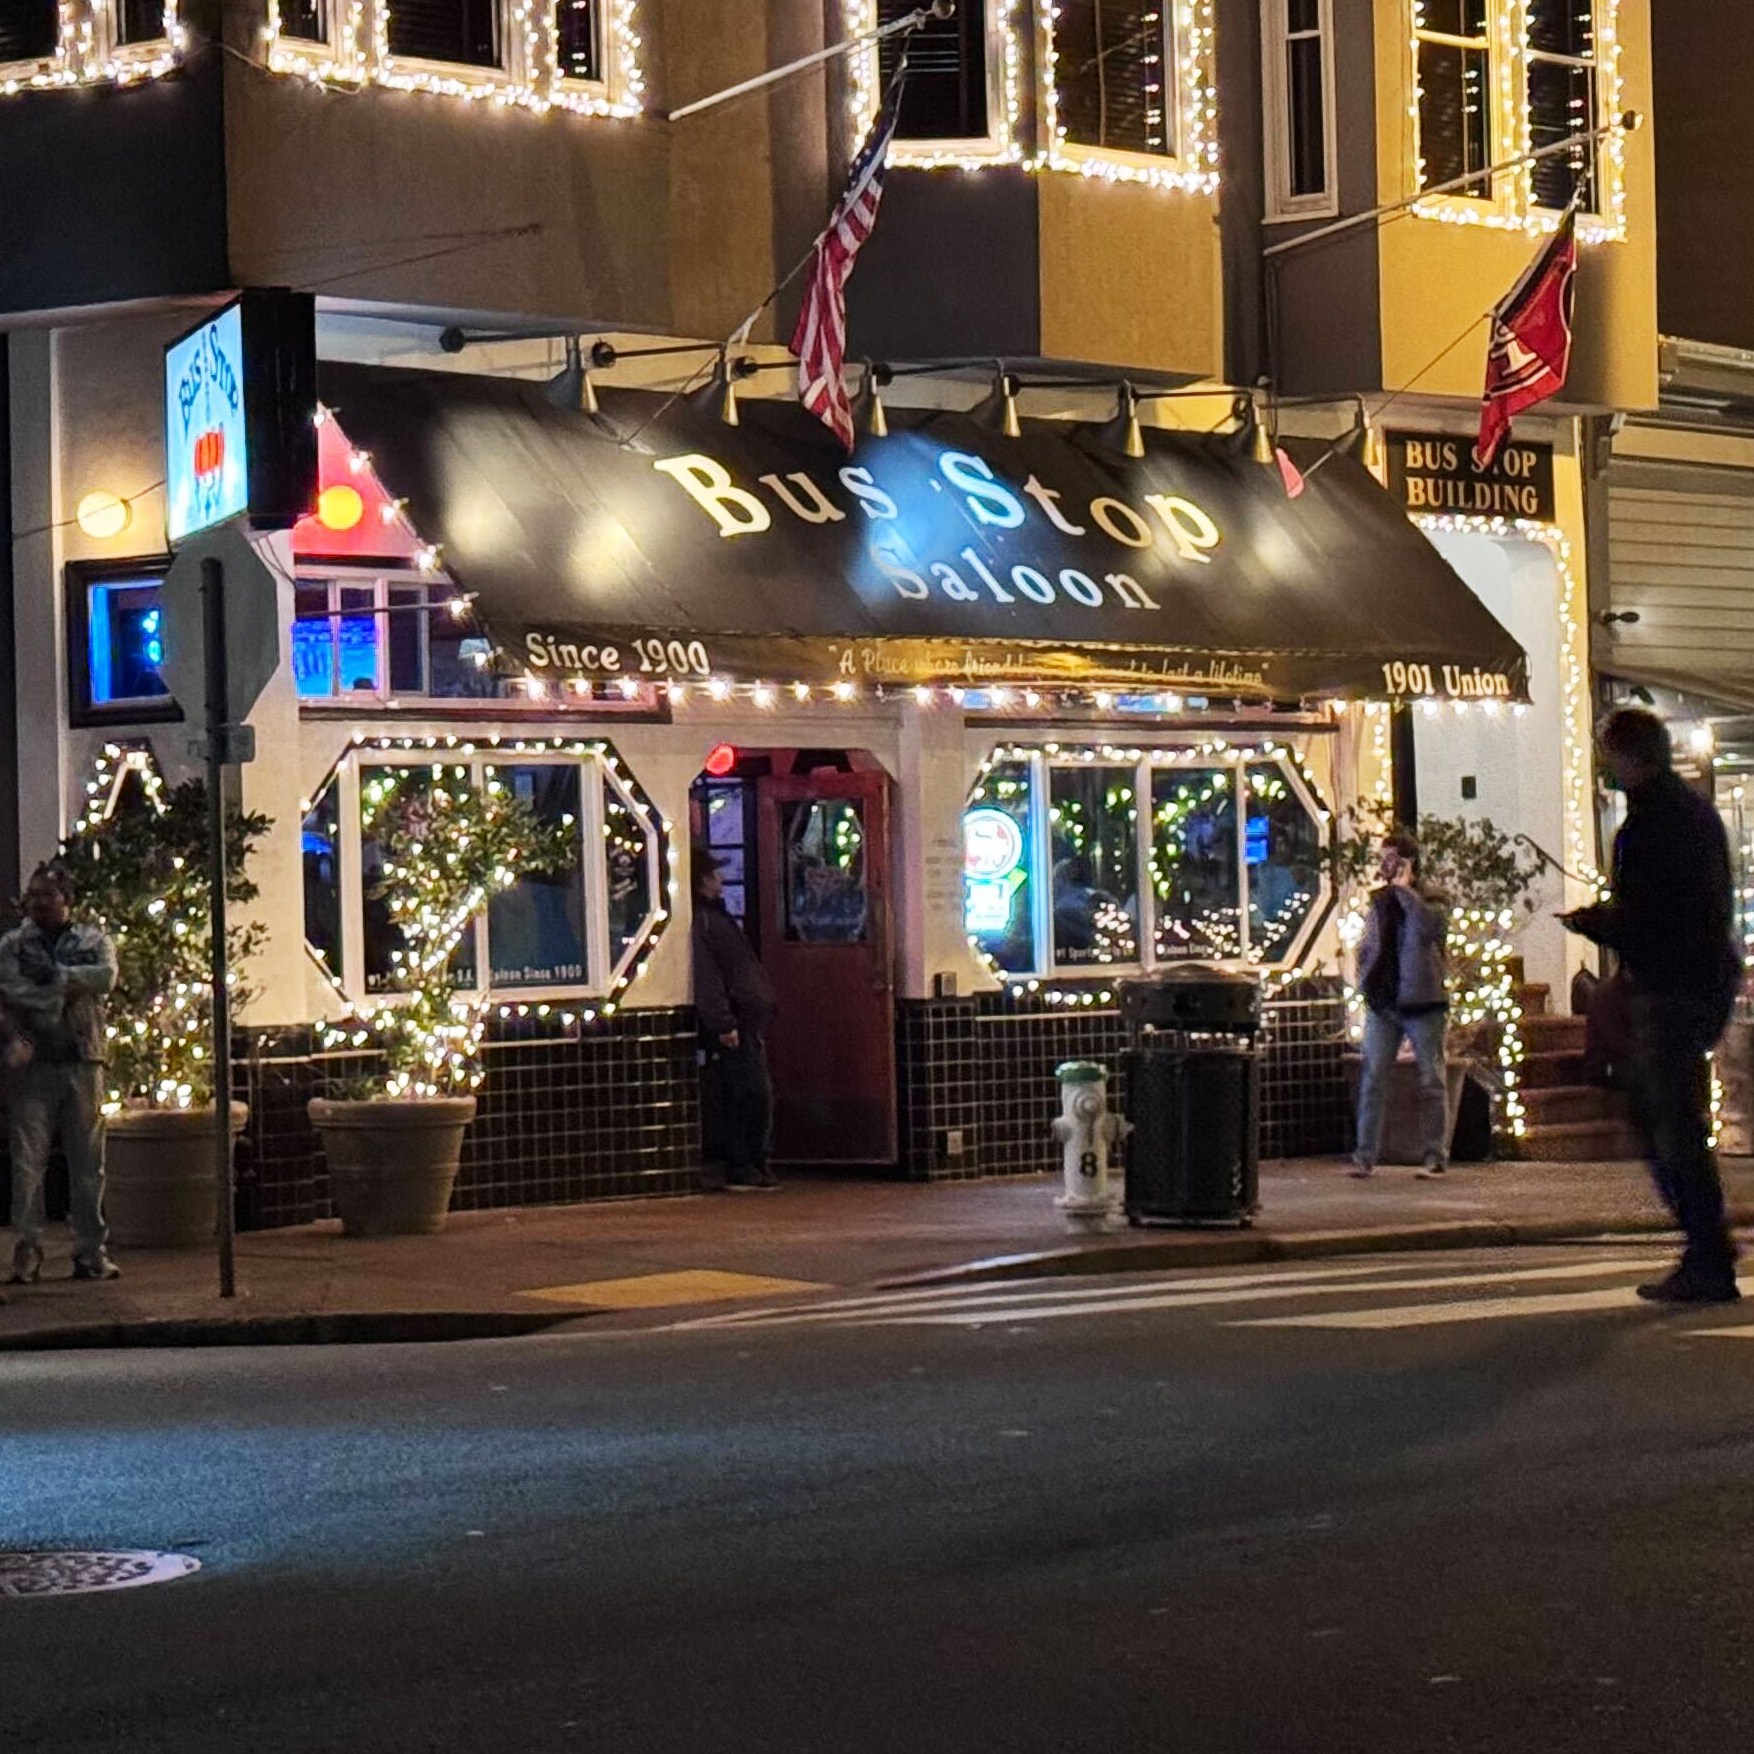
(820, 339)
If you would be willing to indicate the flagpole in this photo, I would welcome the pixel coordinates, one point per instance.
(938, 9)
(1629, 123)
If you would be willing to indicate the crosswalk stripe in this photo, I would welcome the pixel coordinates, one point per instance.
(1430, 1315)
(1742, 1333)
(1000, 1295)
(1190, 1298)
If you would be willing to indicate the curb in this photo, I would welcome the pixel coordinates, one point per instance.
(1243, 1248)
(356, 1328)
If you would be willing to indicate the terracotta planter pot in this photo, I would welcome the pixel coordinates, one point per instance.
(392, 1165)
(159, 1187)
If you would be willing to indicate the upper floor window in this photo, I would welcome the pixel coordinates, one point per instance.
(945, 97)
(580, 55)
(1297, 41)
(139, 21)
(1113, 72)
(115, 643)
(1498, 78)
(463, 32)
(30, 30)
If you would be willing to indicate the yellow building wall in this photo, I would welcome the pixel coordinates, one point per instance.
(1439, 278)
(1130, 276)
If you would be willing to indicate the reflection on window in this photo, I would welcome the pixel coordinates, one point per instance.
(1455, 92)
(536, 927)
(577, 40)
(1284, 850)
(125, 642)
(997, 891)
(1193, 863)
(1562, 100)
(1111, 78)
(322, 873)
(386, 637)
(1093, 816)
(627, 871)
(826, 898)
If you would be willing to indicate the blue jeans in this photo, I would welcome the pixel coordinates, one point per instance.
(44, 1099)
(1382, 1042)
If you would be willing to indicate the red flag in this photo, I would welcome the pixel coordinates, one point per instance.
(820, 339)
(1530, 351)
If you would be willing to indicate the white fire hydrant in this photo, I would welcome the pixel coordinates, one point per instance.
(1087, 1132)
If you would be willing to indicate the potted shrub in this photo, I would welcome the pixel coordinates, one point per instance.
(1488, 879)
(444, 844)
(142, 871)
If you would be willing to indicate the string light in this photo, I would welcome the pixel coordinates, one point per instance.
(77, 60)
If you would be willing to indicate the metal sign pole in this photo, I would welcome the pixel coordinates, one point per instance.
(213, 654)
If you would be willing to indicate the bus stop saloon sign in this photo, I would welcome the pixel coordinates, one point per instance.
(240, 403)
(1434, 472)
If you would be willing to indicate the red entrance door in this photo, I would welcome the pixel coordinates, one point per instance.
(826, 944)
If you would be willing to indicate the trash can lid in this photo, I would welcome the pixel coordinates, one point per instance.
(1081, 1072)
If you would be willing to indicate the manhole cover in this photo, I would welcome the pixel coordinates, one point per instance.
(70, 1574)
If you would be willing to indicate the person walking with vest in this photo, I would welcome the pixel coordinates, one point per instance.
(1403, 973)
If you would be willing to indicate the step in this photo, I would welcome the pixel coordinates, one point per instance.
(1544, 1070)
(1582, 1142)
(1560, 1104)
(1536, 998)
(1553, 1035)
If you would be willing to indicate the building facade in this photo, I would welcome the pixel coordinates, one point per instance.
(906, 692)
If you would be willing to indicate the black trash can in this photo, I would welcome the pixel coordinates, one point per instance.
(1192, 1083)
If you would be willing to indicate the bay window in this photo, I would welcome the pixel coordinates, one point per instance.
(550, 934)
(1114, 85)
(1108, 861)
(362, 638)
(1496, 78)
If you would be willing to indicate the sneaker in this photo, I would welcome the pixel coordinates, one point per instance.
(98, 1266)
(1683, 1287)
(1362, 1172)
(1431, 1172)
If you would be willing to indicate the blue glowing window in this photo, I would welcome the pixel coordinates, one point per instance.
(125, 642)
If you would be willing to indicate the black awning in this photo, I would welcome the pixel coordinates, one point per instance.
(941, 553)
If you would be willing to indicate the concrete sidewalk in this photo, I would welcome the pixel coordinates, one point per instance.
(513, 1271)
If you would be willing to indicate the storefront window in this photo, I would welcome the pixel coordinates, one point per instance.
(997, 887)
(1200, 883)
(1093, 816)
(627, 870)
(571, 931)
(1283, 847)
(536, 928)
(125, 642)
(1193, 863)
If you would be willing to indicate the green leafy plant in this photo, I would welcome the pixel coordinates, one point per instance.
(445, 845)
(140, 870)
(1473, 864)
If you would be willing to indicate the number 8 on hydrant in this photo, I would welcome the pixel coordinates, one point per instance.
(1087, 1132)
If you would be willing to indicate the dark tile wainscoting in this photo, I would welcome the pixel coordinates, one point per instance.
(978, 1095)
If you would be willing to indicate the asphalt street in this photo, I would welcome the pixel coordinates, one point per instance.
(1458, 1502)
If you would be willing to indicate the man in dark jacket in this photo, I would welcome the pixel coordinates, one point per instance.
(1403, 975)
(734, 1001)
(1671, 920)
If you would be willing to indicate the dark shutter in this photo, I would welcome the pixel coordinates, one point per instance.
(28, 29)
(577, 40)
(140, 21)
(308, 20)
(1455, 122)
(1111, 78)
(946, 93)
(446, 30)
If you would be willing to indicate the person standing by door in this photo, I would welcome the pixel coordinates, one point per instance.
(734, 1001)
(1671, 919)
(1403, 974)
(54, 973)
